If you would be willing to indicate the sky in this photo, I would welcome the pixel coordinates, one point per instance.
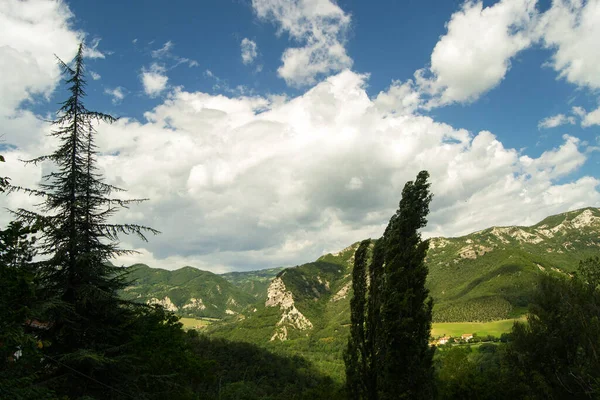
(269, 132)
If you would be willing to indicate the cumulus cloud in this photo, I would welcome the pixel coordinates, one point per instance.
(31, 34)
(399, 98)
(154, 80)
(249, 51)
(117, 94)
(95, 76)
(253, 182)
(556, 120)
(587, 118)
(475, 53)
(249, 182)
(591, 118)
(571, 28)
(320, 25)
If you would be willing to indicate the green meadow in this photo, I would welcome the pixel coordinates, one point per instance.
(454, 329)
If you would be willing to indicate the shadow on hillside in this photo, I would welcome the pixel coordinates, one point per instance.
(245, 371)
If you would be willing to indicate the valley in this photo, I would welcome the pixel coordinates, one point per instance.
(481, 283)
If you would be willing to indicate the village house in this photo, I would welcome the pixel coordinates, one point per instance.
(443, 340)
(466, 336)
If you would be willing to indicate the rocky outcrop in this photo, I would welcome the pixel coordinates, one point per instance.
(342, 293)
(279, 296)
(166, 303)
(195, 304)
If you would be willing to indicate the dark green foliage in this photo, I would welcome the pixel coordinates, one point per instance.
(556, 354)
(483, 309)
(388, 354)
(181, 286)
(492, 273)
(253, 282)
(355, 356)
(463, 372)
(85, 318)
(406, 369)
(244, 371)
(20, 357)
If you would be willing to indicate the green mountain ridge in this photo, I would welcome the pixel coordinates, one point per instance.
(188, 291)
(483, 276)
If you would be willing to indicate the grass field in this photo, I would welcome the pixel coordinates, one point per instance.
(454, 329)
(193, 323)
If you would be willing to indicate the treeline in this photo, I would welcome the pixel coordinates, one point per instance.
(481, 309)
(553, 356)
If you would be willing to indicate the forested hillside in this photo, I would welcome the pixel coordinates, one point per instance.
(484, 276)
(187, 291)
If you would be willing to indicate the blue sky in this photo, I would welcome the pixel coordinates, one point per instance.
(388, 40)
(303, 146)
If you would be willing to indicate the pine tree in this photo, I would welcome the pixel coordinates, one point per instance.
(406, 370)
(78, 240)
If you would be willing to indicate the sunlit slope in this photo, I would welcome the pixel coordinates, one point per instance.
(485, 276)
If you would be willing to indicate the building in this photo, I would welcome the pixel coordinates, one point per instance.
(466, 336)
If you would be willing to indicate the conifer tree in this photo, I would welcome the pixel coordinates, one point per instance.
(355, 356)
(78, 239)
(406, 361)
(397, 316)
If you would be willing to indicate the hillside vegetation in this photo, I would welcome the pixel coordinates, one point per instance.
(485, 276)
(188, 291)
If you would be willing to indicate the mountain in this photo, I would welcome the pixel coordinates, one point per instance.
(490, 274)
(487, 275)
(188, 291)
(483, 276)
(253, 282)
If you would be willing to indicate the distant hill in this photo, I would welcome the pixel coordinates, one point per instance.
(253, 282)
(188, 291)
(483, 276)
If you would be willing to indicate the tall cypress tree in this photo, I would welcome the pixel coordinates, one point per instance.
(406, 361)
(355, 356)
(397, 316)
(78, 239)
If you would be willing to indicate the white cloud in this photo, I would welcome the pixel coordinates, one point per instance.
(555, 120)
(95, 76)
(571, 28)
(587, 119)
(320, 25)
(474, 55)
(556, 163)
(31, 34)
(163, 51)
(579, 111)
(249, 51)
(253, 182)
(591, 118)
(117, 94)
(400, 98)
(91, 50)
(249, 182)
(154, 80)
